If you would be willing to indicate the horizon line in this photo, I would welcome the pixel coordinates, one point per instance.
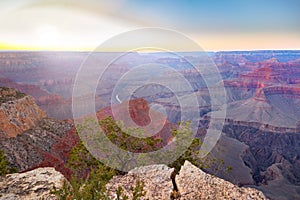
(89, 51)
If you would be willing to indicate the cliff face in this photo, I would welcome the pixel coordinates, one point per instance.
(18, 112)
(269, 148)
(53, 104)
(46, 145)
(276, 165)
(28, 138)
(160, 182)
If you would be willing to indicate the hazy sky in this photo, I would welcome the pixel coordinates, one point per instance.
(84, 24)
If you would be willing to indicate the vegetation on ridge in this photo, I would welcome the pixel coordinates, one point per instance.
(90, 176)
(5, 167)
(9, 94)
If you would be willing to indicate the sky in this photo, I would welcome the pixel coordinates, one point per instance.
(79, 25)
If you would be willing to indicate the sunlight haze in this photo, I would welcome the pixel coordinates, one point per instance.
(84, 25)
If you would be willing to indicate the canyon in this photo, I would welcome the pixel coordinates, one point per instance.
(260, 138)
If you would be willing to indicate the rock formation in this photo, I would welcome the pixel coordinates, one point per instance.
(47, 145)
(156, 178)
(28, 138)
(137, 112)
(193, 183)
(18, 112)
(160, 182)
(32, 185)
(54, 105)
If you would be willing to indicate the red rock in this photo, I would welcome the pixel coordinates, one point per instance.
(18, 114)
(139, 113)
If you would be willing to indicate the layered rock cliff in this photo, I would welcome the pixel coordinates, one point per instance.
(18, 112)
(53, 104)
(47, 144)
(28, 138)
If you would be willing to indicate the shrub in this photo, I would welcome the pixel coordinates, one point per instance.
(90, 176)
(5, 167)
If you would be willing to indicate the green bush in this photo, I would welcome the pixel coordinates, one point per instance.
(9, 94)
(90, 176)
(93, 185)
(5, 167)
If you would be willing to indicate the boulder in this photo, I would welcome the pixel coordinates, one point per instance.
(31, 185)
(156, 178)
(193, 183)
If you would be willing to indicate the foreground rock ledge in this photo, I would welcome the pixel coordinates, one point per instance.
(32, 185)
(193, 183)
(157, 182)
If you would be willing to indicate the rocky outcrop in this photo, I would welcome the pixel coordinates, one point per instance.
(160, 182)
(46, 145)
(137, 113)
(29, 139)
(193, 183)
(35, 184)
(156, 178)
(53, 104)
(18, 112)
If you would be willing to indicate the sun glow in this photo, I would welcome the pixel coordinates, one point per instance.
(84, 26)
(47, 36)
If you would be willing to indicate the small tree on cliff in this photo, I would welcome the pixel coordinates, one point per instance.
(90, 176)
(5, 167)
